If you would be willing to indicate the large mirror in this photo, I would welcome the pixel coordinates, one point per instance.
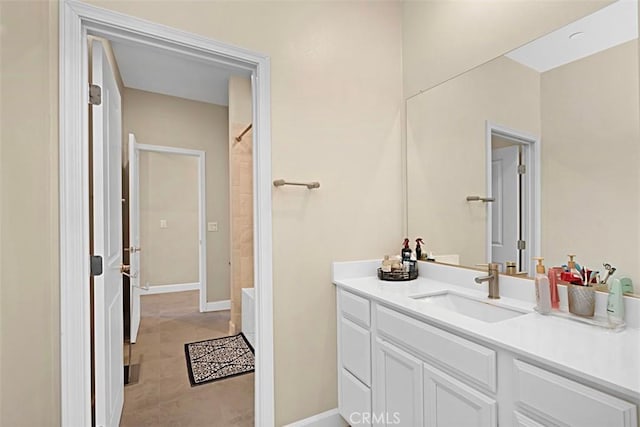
(535, 153)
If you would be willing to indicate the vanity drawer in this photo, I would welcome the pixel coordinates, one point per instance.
(355, 399)
(354, 307)
(355, 350)
(567, 402)
(472, 361)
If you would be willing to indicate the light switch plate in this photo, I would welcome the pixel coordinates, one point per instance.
(212, 226)
(163, 223)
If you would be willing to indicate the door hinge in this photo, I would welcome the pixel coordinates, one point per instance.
(96, 265)
(522, 169)
(522, 245)
(95, 95)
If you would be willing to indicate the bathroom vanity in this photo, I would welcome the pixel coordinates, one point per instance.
(437, 352)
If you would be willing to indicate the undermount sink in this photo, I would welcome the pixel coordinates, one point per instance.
(486, 311)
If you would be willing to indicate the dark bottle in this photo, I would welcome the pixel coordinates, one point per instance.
(419, 248)
(406, 251)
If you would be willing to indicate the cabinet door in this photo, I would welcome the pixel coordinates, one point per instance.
(451, 403)
(397, 387)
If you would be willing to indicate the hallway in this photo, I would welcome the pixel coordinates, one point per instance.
(163, 395)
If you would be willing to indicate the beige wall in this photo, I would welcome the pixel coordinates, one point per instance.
(442, 38)
(591, 151)
(169, 191)
(29, 285)
(333, 120)
(241, 197)
(446, 152)
(165, 120)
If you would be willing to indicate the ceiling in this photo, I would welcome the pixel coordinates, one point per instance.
(168, 73)
(606, 28)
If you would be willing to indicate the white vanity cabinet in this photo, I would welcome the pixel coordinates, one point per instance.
(449, 402)
(354, 358)
(396, 370)
(555, 400)
(413, 387)
(398, 386)
(408, 392)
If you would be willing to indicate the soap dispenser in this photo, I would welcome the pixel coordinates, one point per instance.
(406, 250)
(572, 275)
(419, 241)
(543, 289)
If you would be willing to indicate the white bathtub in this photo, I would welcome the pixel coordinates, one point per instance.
(248, 315)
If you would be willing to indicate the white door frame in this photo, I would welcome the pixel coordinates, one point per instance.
(202, 215)
(77, 21)
(531, 146)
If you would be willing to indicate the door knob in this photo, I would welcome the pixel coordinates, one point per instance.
(134, 249)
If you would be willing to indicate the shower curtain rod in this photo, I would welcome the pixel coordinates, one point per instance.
(247, 129)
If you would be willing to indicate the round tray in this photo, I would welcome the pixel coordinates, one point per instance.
(399, 275)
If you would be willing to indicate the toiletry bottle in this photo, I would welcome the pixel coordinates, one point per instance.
(386, 264)
(627, 285)
(419, 248)
(573, 270)
(554, 278)
(406, 251)
(543, 289)
(615, 303)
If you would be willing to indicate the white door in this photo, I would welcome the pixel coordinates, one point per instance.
(451, 403)
(107, 223)
(505, 210)
(397, 387)
(134, 236)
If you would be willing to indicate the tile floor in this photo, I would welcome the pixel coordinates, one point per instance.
(163, 396)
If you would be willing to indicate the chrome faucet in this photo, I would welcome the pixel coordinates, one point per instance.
(492, 278)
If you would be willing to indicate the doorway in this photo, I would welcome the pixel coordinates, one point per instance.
(197, 241)
(513, 215)
(77, 21)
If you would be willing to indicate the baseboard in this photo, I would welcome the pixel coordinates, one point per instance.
(218, 305)
(329, 418)
(164, 289)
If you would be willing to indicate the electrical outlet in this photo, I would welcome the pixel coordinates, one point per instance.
(163, 223)
(212, 226)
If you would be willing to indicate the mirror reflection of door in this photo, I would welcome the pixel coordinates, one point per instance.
(508, 191)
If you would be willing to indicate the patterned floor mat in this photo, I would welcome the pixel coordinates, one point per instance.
(218, 358)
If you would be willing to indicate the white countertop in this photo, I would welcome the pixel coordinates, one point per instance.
(605, 357)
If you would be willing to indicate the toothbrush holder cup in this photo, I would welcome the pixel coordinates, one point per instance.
(582, 300)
